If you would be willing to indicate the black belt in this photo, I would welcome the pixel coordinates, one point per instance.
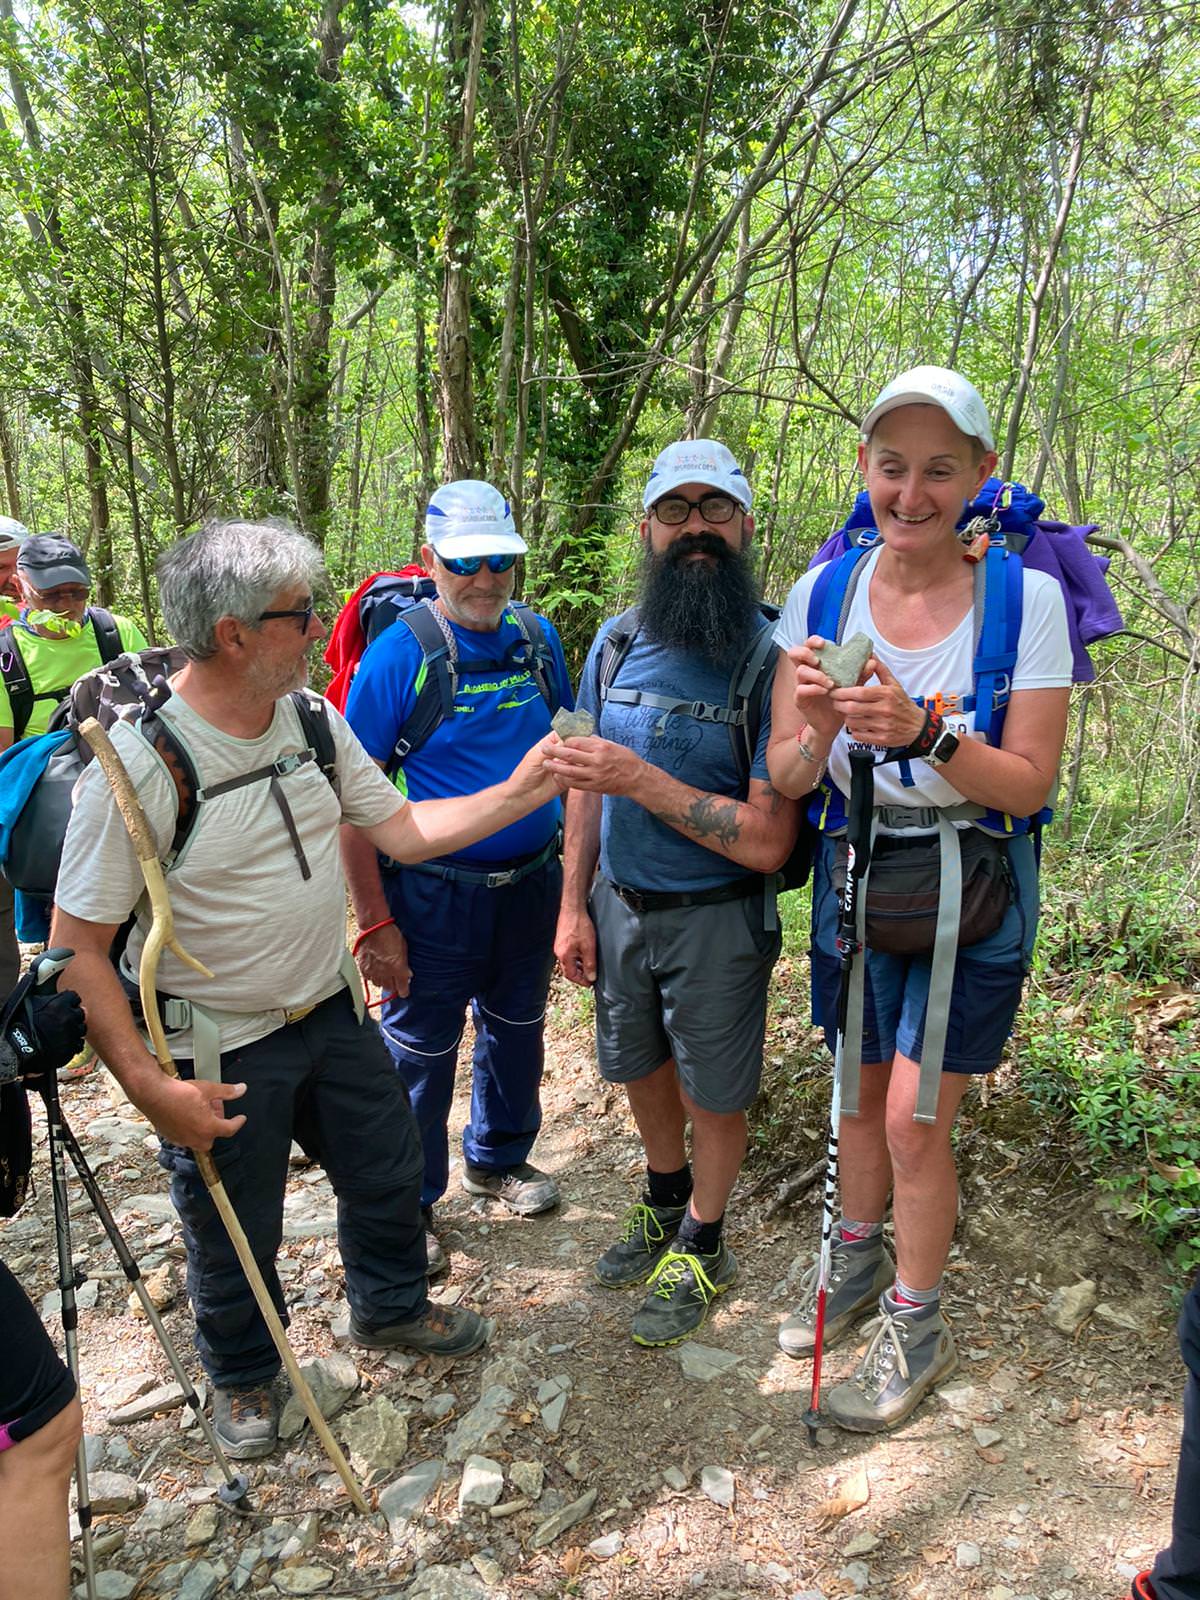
(500, 875)
(645, 900)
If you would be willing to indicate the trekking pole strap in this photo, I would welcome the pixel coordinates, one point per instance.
(941, 974)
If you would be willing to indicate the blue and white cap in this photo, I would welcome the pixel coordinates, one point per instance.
(470, 518)
(696, 461)
(935, 386)
(13, 534)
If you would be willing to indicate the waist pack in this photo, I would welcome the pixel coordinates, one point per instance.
(904, 890)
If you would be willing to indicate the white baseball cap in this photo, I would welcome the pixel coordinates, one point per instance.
(935, 386)
(13, 534)
(696, 461)
(470, 518)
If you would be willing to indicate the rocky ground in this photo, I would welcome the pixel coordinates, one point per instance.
(564, 1460)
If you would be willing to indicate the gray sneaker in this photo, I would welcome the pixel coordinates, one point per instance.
(682, 1289)
(438, 1331)
(522, 1189)
(646, 1235)
(911, 1353)
(246, 1420)
(859, 1271)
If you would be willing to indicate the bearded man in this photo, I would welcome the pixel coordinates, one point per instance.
(676, 928)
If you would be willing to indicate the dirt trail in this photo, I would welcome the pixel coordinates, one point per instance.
(1044, 1469)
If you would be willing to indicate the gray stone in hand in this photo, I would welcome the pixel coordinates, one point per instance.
(573, 724)
(844, 662)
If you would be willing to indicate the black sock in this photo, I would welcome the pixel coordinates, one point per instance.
(669, 1188)
(702, 1237)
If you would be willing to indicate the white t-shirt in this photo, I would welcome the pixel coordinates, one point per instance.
(272, 940)
(1043, 662)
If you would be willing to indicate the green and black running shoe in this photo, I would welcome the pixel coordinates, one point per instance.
(646, 1234)
(683, 1287)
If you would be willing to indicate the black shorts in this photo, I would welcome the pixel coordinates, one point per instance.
(35, 1384)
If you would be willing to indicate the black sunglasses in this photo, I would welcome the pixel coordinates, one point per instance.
(303, 614)
(468, 566)
(674, 509)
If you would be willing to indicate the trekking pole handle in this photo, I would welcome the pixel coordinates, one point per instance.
(46, 969)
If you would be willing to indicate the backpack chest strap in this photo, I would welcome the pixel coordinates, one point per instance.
(698, 710)
(282, 768)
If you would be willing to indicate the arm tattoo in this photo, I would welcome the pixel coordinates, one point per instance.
(711, 818)
(775, 800)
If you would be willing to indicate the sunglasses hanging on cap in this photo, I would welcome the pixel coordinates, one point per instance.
(468, 566)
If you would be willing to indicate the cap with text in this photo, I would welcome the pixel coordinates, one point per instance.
(470, 518)
(47, 560)
(696, 461)
(935, 386)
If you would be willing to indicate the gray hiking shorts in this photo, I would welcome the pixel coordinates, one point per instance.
(690, 983)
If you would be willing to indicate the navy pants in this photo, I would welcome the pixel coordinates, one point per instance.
(492, 949)
(1176, 1573)
(328, 1082)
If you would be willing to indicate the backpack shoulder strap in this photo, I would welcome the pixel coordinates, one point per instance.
(437, 683)
(833, 591)
(614, 650)
(313, 712)
(999, 600)
(542, 657)
(180, 768)
(108, 634)
(16, 680)
(749, 690)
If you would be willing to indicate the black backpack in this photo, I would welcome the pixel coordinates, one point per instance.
(21, 694)
(750, 684)
(133, 688)
(442, 667)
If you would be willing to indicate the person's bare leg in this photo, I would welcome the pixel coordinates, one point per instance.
(864, 1165)
(718, 1150)
(35, 1479)
(658, 1111)
(925, 1179)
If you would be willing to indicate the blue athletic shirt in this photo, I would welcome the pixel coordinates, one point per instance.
(496, 719)
(636, 849)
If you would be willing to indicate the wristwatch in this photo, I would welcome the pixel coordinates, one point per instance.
(944, 747)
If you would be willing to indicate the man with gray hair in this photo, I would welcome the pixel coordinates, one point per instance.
(259, 897)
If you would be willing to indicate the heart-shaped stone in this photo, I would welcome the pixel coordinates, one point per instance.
(844, 662)
(573, 724)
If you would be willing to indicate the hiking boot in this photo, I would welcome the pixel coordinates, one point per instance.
(682, 1287)
(438, 1261)
(523, 1189)
(438, 1331)
(859, 1271)
(911, 1352)
(246, 1420)
(646, 1235)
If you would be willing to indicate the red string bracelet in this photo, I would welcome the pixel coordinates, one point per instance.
(388, 922)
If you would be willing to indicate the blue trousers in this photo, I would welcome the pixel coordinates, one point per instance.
(327, 1082)
(492, 949)
(1176, 1573)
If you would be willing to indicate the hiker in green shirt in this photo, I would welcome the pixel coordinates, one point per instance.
(57, 637)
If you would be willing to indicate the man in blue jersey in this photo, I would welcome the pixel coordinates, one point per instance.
(673, 929)
(477, 927)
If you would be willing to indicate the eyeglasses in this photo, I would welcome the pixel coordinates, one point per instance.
(468, 566)
(674, 509)
(303, 614)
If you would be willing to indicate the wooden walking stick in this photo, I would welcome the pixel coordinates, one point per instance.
(162, 937)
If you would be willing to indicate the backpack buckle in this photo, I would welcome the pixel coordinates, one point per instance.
(286, 765)
(702, 711)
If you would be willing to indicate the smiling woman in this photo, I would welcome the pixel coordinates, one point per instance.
(955, 791)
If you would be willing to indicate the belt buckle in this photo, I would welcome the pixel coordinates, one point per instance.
(501, 880)
(631, 898)
(298, 1014)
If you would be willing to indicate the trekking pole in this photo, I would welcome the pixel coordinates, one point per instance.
(236, 1485)
(46, 971)
(162, 936)
(858, 844)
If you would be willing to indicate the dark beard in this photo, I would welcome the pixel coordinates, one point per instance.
(707, 607)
